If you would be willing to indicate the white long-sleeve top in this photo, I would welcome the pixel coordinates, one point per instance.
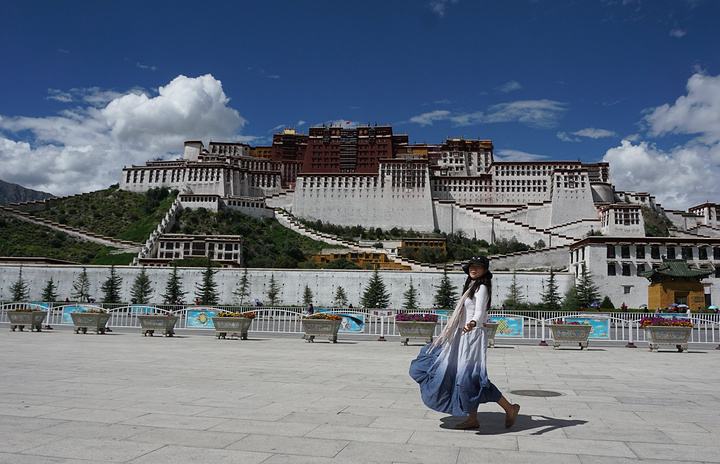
(476, 308)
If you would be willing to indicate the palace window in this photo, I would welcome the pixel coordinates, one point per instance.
(611, 269)
(640, 252)
(702, 253)
(611, 251)
(640, 268)
(686, 252)
(625, 269)
(625, 251)
(671, 252)
(655, 252)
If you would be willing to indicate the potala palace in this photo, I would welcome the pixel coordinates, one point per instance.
(568, 211)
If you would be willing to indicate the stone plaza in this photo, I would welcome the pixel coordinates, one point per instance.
(121, 397)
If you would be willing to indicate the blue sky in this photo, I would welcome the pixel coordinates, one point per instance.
(553, 79)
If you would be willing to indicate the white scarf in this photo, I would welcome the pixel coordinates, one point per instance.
(453, 324)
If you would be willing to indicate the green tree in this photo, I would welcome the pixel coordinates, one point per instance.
(410, 297)
(243, 288)
(375, 294)
(142, 289)
(49, 293)
(341, 299)
(206, 292)
(20, 290)
(307, 296)
(446, 293)
(173, 289)
(273, 291)
(607, 303)
(81, 287)
(515, 296)
(551, 296)
(570, 302)
(587, 291)
(111, 287)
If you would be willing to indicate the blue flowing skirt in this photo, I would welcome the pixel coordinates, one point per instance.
(453, 377)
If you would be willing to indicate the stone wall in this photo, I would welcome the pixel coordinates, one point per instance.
(292, 282)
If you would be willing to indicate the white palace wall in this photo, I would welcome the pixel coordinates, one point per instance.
(323, 283)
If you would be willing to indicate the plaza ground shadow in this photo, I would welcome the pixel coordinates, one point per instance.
(493, 423)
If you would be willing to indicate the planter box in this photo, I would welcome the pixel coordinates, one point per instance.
(490, 331)
(571, 334)
(659, 335)
(232, 326)
(424, 331)
(320, 328)
(160, 322)
(32, 319)
(92, 321)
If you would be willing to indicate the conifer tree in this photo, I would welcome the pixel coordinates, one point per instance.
(49, 293)
(570, 302)
(307, 296)
(607, 303)
(81, 287)
(551, 296)
(173, 289)
(273, 291)
(410, 297)
(587, 291)
(142, 289)
(446, 294)
(340, 298)
(375, 294)
(515, 296)
(19, 290)
(206, 292)
(111, 287)
(243, 289)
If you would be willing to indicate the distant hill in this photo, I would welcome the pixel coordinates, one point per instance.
(13, 193)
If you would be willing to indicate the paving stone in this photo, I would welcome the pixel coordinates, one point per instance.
(304, 446)
(93, 449)
(175, 454)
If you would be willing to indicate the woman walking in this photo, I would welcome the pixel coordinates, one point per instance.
(451, 370)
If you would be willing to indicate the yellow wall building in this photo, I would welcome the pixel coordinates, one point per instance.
(675, 282)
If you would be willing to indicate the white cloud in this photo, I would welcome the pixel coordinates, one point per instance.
(301, 123)
(678, 33)
(427, 119)
(685, 174)
(696, 113)
(84, 148)
(145, 66)
(534, 113)
(92, 95)
(439, 7)
(588, 132)
(59, 95)
(517, 155)
(510, 86)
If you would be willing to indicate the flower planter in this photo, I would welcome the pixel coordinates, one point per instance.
(164, 323)
(321, 328)
(424, 331)
(32, 319)
(232, 326)
(570, 334)
(677, 337)
(92, 321)
(490, 331)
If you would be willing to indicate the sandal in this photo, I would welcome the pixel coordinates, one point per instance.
(512, 416)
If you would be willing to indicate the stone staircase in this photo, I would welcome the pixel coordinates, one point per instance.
(557, 238)
(286, 219)
(167, 221)
(123, 246)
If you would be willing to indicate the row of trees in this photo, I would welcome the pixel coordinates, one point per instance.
(375, 295)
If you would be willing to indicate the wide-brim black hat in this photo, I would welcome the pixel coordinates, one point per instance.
(476, 261)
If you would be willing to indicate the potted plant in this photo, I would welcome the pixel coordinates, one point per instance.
(490, 331)
(26, 316)
(233, 323)
(164, 323)
(661, 331)
(321, 325)
(416, 326)
(571, 333)
(92, 318)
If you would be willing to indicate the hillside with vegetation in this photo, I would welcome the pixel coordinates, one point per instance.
(266, 243)
(20, 238)
(458, 246)
(111, 212)
(656, 223)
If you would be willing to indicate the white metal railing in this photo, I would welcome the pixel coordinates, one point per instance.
(618, 327)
